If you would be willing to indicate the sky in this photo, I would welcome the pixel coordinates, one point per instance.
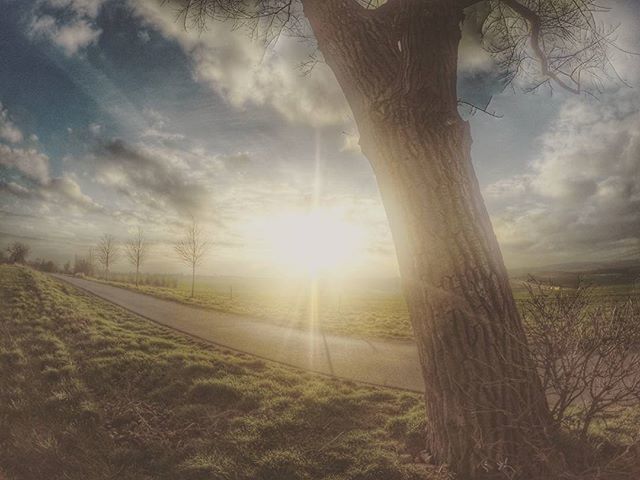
(114, 116)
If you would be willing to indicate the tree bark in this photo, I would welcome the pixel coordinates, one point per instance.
(486, 411)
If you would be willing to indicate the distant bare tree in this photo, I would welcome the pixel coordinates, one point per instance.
(85, 265)
(91, 261)
(18, 252)
(191, 248)
(107, 252)
(136, 250)
(43, 265)
(82, 266)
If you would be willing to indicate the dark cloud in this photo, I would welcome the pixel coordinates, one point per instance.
(64, 191)
(156, 177)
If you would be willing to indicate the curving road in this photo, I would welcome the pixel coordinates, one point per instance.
(379, 362)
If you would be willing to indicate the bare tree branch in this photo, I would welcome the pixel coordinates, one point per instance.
(547, 43)
(544, 42)
(192, 248)
(107, 253)
(136, 250)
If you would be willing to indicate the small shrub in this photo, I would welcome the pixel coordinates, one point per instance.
(586, 352)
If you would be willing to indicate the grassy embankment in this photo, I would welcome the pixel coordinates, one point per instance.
(354, 311)
(90, 391)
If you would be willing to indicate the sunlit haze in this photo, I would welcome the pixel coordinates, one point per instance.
(314, 242)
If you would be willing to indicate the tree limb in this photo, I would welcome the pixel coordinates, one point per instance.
(535, 41)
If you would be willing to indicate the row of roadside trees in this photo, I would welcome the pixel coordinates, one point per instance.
(107, 252)
(190, 249)
(18, 253)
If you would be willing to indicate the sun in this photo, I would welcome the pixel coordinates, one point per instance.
(320, 241)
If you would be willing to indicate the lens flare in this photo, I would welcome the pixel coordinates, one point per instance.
(315, 242)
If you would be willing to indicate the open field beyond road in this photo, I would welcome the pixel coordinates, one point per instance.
(357, 309)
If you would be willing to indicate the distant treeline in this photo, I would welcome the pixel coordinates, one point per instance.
(18, 253)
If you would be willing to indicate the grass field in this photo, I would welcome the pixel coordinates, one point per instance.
(89, 391)
(374, 310)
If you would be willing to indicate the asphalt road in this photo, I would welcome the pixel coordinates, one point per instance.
(379, 362)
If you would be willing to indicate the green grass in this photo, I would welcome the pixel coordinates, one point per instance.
(90, 391)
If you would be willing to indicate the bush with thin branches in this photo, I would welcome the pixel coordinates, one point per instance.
(587, 351)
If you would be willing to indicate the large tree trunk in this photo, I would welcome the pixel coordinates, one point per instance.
(397, 66)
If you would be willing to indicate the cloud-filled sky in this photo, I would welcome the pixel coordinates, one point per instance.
(114, 116)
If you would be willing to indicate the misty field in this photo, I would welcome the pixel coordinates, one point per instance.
(89, 390)
(362, 309)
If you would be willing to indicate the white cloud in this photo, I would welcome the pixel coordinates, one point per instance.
(157, 126)
(64, 191)
(33, 167)
(75, 36)
(239, 68)
(511, 187)
(8, 131)
(44, 25)
(144, 36)
(74, 30)
(28, 162)
(15, 189)
(95, 129)
(87, 8)
(68, 188)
